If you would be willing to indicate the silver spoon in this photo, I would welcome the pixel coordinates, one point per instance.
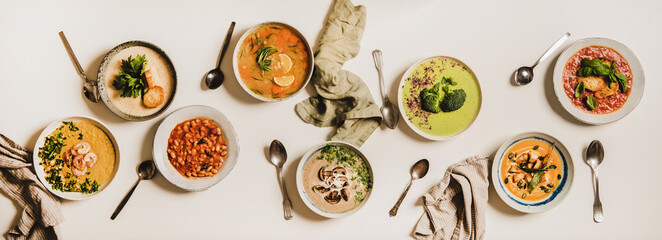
(90, 89)
(146, 171)
(524, 75)
(278, 156)
(215, 77)
(389, 110)
(417, 171)
(594, 156)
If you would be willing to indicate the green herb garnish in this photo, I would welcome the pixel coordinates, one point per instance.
(71, 125)
(52, 146)
(534, 181)
(591, 102)
(262, 60)
(80, 136)
(129, 80)
(579, 91)
(596, 67)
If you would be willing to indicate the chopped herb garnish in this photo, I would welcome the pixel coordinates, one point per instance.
(71, 125)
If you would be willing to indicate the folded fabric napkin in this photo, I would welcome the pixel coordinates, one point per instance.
(41, 210)
(455, 208)
(344, 100)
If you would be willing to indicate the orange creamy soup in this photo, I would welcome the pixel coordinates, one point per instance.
(529, 171)
(273, 62)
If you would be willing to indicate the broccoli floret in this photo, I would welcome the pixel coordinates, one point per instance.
(453, 100)
(430, 99)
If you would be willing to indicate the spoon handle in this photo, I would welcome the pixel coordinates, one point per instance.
(395, 208)
(74, 60)
(377, 58)
(123, 202)
(598, 216)
(226, 42)
(553, 48)
(287, 204)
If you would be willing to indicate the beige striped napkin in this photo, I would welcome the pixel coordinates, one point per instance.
(41, 210)
(455, 208)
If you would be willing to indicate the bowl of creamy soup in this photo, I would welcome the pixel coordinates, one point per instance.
(273, 61)
(532, 172)
(334, 179)
(137, 80)
(76, 157)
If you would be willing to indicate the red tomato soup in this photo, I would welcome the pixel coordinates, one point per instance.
(604, 105)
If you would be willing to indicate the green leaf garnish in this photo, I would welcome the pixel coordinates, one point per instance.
(579, 91)
(591, 102)
(622, 81)
(129, 80)
(262, 60)
(534, 181)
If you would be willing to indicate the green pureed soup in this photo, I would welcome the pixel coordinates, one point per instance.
(428, 73)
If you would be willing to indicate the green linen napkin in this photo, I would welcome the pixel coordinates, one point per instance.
(343, 99)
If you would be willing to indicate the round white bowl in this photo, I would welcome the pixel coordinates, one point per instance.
(638, 81)
(560, 192)
(160, 153)
(39, 170)
(302, 192)
(235, 63)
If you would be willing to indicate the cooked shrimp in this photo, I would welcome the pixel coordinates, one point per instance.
(154, 97)
(90, 159)
(79, 162)
(79, 172)
(81, 148)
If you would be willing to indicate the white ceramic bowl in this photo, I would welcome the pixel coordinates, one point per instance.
(40, 169)
(401, 106)
(235, 62)
(161, 145)
(638, 81)
(302, 191)
(560, 192)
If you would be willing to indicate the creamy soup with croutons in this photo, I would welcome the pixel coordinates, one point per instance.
(531, 169)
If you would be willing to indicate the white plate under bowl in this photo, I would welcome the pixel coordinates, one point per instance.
(560, 192)
(161, 145)
(638, 81)
(40, 169)
(235, 62)
(302, 191)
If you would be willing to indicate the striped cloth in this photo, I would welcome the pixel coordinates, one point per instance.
(41, 210)
(455, 208)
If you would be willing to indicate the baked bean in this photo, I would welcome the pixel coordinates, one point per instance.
(196, 148)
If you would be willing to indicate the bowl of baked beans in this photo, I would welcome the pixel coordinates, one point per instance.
(195, 147)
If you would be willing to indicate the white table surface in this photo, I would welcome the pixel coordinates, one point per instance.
(38, 85)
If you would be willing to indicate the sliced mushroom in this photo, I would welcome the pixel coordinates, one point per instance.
(341, 181)
(329, 181)
(323, 173)
(339, 171)
(344, 193)
(320, 189)
(333, 197)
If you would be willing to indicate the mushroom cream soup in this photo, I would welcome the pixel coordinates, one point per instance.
(161, 75)
(77, 157)
(336, 179)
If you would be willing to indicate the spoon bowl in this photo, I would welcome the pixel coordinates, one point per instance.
(215, 77)
(524, 75)
(417, 171)
(278, 157)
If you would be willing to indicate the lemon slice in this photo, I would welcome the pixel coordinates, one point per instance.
(285, 62)
(284, 81)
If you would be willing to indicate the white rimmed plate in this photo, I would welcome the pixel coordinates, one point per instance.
(560, 192)
(302, 192)
(638, 81)
(40, 169)
(161, 145)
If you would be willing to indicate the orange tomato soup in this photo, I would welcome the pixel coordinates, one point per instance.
(273, 61)
(520, 164)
